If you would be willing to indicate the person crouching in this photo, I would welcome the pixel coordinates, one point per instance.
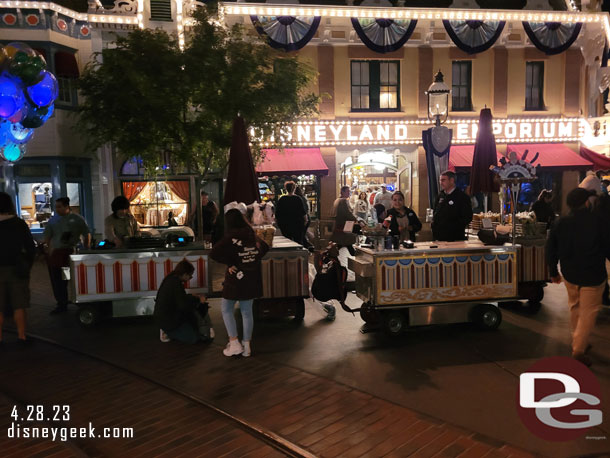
(181, 316)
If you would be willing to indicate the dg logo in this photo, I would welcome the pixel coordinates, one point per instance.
(559, 399)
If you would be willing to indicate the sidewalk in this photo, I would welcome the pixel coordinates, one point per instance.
(322, 416)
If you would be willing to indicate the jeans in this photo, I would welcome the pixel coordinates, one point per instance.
(245, 306)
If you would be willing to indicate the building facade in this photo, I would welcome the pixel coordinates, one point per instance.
(542, 70)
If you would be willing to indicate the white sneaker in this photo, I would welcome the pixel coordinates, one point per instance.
(163, 337)
(247, 351)
(233, 348)
(212, 333)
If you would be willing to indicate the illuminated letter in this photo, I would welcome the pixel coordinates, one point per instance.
(548, 129)
(525, 130)
(303, 134)
(475, 129)
(565, 129)
(320, 133)
(383, 132)
(462, 131)
(496, 128)
(400, 132)
(336, 131)
(537, 130)
(349, 134)
(510, 130)
(366, 133)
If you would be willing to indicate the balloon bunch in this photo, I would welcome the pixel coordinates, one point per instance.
(27, 93)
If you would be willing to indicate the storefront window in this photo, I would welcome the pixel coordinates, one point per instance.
(35, 202)
(272, 188)
(73, 190)
(152, 201)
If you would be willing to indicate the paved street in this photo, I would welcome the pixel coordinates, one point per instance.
(445, 390)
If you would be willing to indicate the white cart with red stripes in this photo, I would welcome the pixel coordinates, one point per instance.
(124, 282)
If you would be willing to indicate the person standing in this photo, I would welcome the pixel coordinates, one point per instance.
(342, 212)
(241, 250)
(361, 209)
(299, 192)
(543, 209)
(209, 214)
(452, 211)
(579, 243)
(384, 198)
(17, 252)
(61, 235)
(404, 222)
(121, 223)
(290, 214)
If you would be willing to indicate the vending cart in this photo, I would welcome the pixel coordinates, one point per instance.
(434, 283)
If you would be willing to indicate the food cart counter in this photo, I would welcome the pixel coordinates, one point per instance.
(435, 282)
(124, 282)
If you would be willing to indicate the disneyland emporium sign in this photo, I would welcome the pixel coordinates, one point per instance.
(395, 132)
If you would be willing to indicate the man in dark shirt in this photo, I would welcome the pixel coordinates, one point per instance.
(290, 214)
(581, 245)
(452, 211)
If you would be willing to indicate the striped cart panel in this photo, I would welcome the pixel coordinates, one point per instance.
(532, 263)
(447, 278)
(285, 276)
(104, 277)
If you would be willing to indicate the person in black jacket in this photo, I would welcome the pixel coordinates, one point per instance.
(543, 209)
(17, 252)
(452, 211)
(181, 316)
(580, 244)
(404, 222)
(241, 250)
(290, 214)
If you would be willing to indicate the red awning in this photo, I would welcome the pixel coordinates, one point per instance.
(600, 162)
(65, 65)
(298, 161)
(552, 155)
(460, 157)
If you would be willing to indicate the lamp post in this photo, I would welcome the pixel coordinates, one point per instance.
(438, 100)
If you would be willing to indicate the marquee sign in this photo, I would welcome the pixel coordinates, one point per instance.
(404, 132)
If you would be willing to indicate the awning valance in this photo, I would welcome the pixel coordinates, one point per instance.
(555, 155)
(551, 155)
(292, 161)
(600, 162)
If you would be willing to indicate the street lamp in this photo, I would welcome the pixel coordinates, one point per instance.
(438, 100)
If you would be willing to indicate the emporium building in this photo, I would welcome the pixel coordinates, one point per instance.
(541, 67)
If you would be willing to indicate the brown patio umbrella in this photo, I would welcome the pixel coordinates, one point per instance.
(242, 185)
(481, 178)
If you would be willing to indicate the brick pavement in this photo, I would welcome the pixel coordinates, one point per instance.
(322, 416)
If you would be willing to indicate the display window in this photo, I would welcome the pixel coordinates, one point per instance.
(154, 203)
(271, 188)
(35, 203)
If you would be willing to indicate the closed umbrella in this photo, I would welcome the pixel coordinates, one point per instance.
(484, 157)
(242, 185)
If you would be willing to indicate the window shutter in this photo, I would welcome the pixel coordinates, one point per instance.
(161, 10)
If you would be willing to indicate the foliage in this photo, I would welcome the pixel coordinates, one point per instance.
(152, 100)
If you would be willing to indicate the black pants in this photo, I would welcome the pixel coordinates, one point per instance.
(60, 286)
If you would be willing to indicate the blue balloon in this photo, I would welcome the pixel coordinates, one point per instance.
(16, 133)
(44, 92)
(13, 152)
(11, 97)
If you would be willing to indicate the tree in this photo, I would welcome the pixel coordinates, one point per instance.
(152, 100)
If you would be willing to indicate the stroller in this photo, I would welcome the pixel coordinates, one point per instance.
(330, 280)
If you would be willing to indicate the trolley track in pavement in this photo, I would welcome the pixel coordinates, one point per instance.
(272, 440)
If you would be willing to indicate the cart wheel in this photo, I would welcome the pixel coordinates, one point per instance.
(487, 316)
(299, 313)
(394, 323)
(369, 315)
(89, 315)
